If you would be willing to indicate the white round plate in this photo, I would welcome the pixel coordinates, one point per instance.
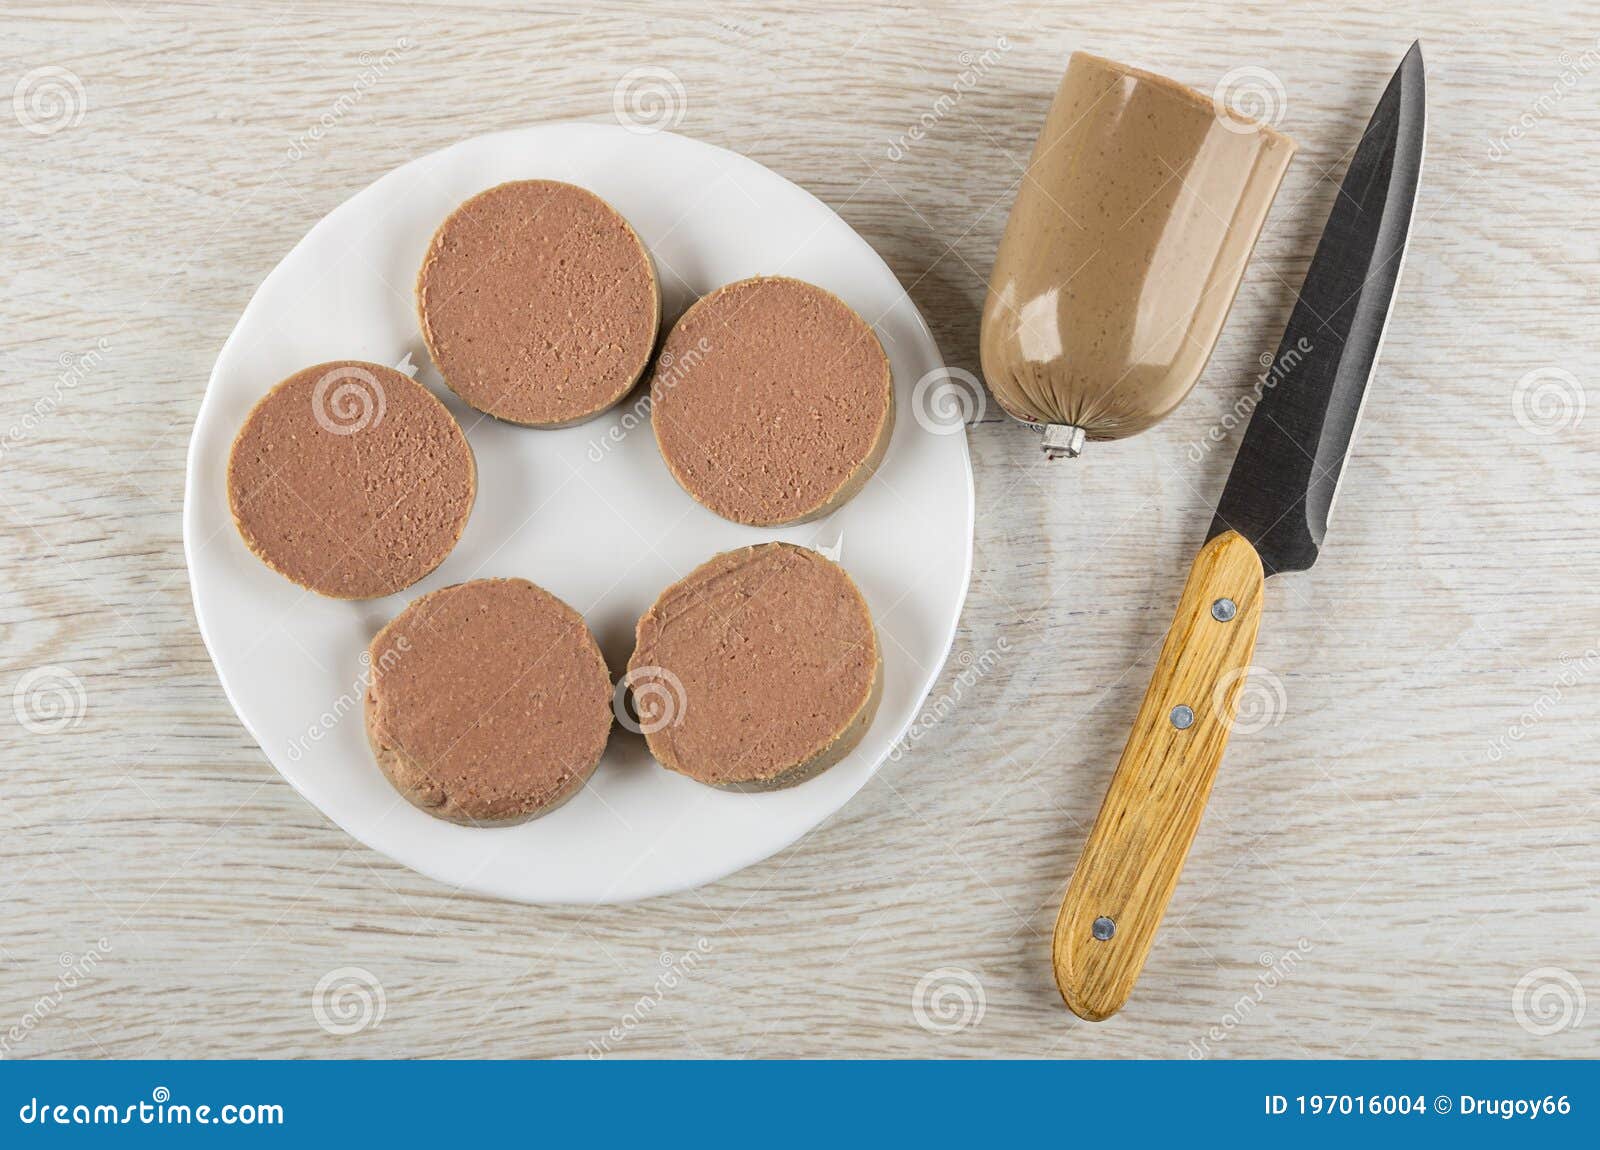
(590, 513)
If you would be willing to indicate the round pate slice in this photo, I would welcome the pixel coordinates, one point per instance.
(758, 670)
(351, 479)
(539, 303)
(489, 702)
(772, 401)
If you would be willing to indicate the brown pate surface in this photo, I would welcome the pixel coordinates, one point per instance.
(769, 398)
(765, 657)
(539, 303)
(489, 701)
(351, 479)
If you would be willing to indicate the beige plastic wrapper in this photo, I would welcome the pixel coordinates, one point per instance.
(1123, 252)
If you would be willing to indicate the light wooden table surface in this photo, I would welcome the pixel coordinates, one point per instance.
(1414, 827)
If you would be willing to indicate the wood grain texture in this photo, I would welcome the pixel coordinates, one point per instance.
(1412, 818)
(1140, 840)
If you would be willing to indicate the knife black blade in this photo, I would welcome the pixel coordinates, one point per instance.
(1286, 474)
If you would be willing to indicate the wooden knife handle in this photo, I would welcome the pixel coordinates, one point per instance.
(1135, 851)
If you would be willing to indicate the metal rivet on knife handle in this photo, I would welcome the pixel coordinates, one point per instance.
(1182, 717)
(1103, 928)
(1224, 609)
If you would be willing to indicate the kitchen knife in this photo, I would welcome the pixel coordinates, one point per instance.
(1272, 517)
